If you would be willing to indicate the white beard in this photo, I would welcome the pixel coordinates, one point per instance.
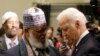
(36, 44)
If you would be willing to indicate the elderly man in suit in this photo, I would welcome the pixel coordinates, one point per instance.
(34, 42)
(73, 25)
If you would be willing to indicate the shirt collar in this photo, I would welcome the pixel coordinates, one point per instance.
(8, 40)
(82, 35)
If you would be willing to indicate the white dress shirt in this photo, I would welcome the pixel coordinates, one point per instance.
(8, 41)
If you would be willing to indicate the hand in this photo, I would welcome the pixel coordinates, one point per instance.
(63, 50)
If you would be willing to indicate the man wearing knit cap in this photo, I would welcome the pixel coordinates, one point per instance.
(34, 42)
(10, 24)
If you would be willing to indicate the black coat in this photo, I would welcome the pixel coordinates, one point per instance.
(3, 46)
(88, 46)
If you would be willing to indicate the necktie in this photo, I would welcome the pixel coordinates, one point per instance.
(74, 51)
(12, 44)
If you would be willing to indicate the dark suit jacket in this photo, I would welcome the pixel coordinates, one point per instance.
(20, 50)
(3, 45)
(88, 46)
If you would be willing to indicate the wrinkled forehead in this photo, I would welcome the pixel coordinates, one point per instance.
(63, 22)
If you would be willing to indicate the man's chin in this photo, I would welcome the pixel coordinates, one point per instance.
(11, 35)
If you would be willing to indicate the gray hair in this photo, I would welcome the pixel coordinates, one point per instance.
(74, 14)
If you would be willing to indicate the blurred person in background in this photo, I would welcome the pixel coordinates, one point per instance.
(61, 44)
(20, 31)
(94, 29)
(72, 22)
(49, 35)
(59, 40)
(34, 42)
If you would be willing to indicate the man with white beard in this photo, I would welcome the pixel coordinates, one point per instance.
(34, 42)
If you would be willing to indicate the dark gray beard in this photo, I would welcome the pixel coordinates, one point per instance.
(10, 34)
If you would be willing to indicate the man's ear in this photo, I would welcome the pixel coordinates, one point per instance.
(77, 24)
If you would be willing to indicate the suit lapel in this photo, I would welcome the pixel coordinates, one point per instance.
(3, 45)
(83, 40)
(23, 50)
